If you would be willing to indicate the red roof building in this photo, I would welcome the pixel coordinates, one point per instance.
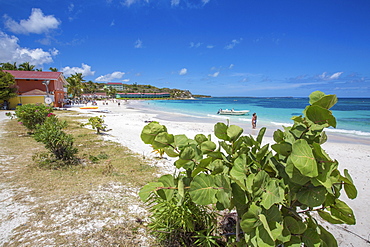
(38, 83)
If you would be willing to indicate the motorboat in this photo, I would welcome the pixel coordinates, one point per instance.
(232, 112)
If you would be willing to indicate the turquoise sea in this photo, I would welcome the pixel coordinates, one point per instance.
(352, 114)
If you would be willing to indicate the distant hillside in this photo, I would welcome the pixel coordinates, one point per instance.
(136, 88)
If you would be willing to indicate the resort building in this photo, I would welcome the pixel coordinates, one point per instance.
(38, 87)
(142, 95)
(116, 85)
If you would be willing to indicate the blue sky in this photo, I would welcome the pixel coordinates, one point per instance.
(212, 47)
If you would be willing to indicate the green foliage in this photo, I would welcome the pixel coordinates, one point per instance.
(177, 221)
(97, 123)
(56, 140)
(274, 192)
(7, 86)
(31, 115)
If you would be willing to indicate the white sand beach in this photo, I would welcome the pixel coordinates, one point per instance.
(127, 122)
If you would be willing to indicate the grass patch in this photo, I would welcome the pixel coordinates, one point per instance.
(93, 203)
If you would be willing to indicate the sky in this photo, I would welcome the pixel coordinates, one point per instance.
(251, 48)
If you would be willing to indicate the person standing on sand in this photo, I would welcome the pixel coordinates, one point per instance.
(254, 120)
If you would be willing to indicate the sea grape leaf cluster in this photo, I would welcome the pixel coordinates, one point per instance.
(274, 190)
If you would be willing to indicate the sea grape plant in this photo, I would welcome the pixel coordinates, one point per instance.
(97, 123)
(274, 192)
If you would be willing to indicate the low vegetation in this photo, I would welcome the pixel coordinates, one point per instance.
(92, 203)
(274, 193)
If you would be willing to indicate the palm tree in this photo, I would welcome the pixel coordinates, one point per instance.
(26, 66)
(53, 69)
(8, 66)
(75, 85)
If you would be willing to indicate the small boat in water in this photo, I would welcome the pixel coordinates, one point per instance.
(232, 112)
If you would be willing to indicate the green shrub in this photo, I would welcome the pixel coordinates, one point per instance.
(55, 139)
(275, 193)
(32, 115)
(178, 221)
(97, 123)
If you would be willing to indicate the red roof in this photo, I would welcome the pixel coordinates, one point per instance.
(114, 83)
(41, 75)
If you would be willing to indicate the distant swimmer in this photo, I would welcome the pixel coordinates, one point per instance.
(254, 120)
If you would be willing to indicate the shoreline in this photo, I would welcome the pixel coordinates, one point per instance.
(128, 120)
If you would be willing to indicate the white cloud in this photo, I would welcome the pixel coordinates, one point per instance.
(126, 80)
(138, 44)
(128, 3)
(335, 75)
(183, 71)
(71, 7)
(195, 45)
(205, 1)
(231, 66)
(10, 51)
(36, 23)
(233, 43)
(214, 74)
(112, 23)
(175, 2)
(330, 77)
(85, 70)
(111, 77)
(210, 46)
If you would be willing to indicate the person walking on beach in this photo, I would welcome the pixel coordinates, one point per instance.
(254, 120)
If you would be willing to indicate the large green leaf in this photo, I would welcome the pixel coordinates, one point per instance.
(327, 238)
(294, 174)
(162, 140)
(170, 151)
(273, 193)
(181, 141)
(250, 219)
(168, 182)
(349, 187)
(315, 96)
(261, 133)
(294, 226)
(217, 166)
(343, 212)
(203, 164)
(319, 115)
(199, 138)
(224, 194)
(207, 147)
(329, 218)
(187, 153)
(263, 219)
(327, 102)
(260, 182)
(233, 132)
(278, 136)
(221, 131)
(311, 238)
(303, 158)
(283, 148)
(148, 189)
(240, 169)
(203, 189)
(150, 131)
(312, 196)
